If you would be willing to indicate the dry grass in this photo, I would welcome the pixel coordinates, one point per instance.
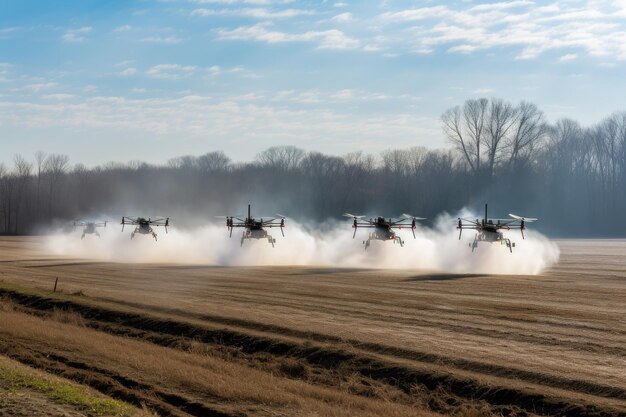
(21, 384)
(561, 335)
(226, 386)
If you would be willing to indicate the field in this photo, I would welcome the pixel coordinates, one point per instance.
(189, 340)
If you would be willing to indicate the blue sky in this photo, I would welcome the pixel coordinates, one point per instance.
(149, 79)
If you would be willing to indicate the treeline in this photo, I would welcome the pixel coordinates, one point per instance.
(572, 177)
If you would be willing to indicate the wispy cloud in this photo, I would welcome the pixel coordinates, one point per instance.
(127, 72)
(58, 97)
(76, 35)
(123, 28)
(592, 27)
(168, 40)
(568, 57)
(171, 71)
(327, 39)
(256, 2)
(4, 71)
(342, 17)
(240, 117)
(216, 70)
(37, 87)
(6, 33)
(255, 13)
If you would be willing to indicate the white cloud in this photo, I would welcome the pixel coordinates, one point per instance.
(316, 96)
(239, 118)
(465, 49)
(171, 71)
(4, 71)
(568, 57)
(5, 33)
(123, 28)
(36, 87)
(128, 72)
(342, 17)
(484, 90)
(58, 97)
(168, 40)
(416, 14)
(255, 13)
(76, 35)
(216, 70)
(327, 39)
(592, 27)
(124, 63)
(255, 2)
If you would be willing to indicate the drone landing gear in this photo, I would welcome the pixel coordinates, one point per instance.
(399, 240)
(132, 236)
(473, 245)
(81, 238)
(509, 244)
(271, 240)
(154, 235)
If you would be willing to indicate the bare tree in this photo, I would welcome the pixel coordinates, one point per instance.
(464, 127)
(213, 162)
(502, 116)
(282, 158)
(55, 167)
(40, 159)
(529, 131)
(23, 171)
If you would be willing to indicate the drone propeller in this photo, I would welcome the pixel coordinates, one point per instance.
(355, 223)
(460, 225)
(409, 216)
(405, 216)
(522, 221)
(526, 219)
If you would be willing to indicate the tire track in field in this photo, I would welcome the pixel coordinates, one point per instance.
(518, 334)
(168, 404)
(372, 367)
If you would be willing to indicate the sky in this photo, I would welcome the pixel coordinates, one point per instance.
(105, 80)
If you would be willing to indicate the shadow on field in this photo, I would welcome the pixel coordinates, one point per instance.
(443, 277)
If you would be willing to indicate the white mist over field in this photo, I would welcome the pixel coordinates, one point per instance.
(437, 249)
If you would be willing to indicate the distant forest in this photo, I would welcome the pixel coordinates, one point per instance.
(572, 177)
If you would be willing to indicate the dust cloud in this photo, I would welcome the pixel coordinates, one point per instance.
(330, 244)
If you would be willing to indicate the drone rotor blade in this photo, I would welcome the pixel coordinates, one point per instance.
(410, 216)
(526, 219)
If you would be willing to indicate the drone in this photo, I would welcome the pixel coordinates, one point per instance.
(255, 229)
(90, 228)
(383, 228)
(144, 226)
(490, 230)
